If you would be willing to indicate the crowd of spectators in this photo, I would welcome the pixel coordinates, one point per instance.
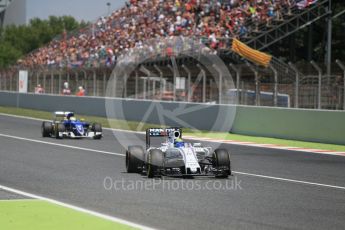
(212, 21)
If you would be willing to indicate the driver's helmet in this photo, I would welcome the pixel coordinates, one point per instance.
(70, 116)
(73, 119)
(179, 143)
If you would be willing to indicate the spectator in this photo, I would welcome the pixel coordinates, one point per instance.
(140, 20)
(66, 90)
(81, 91)
(39, 89)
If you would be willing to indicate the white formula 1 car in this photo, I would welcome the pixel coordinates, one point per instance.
(176, 158)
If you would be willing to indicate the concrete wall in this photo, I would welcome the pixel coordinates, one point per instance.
(295, 124)
(307, 125)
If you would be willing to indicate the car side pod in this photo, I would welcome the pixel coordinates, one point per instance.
(59, 130)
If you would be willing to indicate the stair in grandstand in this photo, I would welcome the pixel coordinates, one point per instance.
(265, 36)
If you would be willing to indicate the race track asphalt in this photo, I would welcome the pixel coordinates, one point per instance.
(82, 178)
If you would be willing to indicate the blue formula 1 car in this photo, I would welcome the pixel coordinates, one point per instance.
(65, 125)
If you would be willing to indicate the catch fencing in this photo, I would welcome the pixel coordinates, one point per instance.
(185, 80)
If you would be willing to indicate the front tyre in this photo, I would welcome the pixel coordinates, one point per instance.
(97, 128)
(221, 162)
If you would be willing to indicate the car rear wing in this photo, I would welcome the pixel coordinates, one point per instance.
(159, 132)
(60, 115)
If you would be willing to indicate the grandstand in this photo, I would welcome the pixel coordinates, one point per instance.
(215, 23)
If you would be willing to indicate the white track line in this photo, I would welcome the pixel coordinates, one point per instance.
(93, 213)
(38, 119)
(18, 200)
(22, 117)
(60, 145)
(290, 180)
(122, 155)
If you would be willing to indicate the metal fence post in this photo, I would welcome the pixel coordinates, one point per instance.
(146, 80)
(60, 82)
(318, 69)
(1, 79)
(4, 77)
(125, 80)
(220, 83)
(160, 81)
(6, 82)
(154, 88)
(275, 90)
(94, 83)
(189, 94)
(174, 76)
(296, 84)
(52, 82)
(104, 83)
(11, 83)
(257, 88)
(243, 94)
(84, 82)
(30, 80)
(77, 79)
(136, 84)
(203, 83)
(342, 66)
(44, 80)
(68, 77)
(238, 78)
(114, 86)
(15, 77)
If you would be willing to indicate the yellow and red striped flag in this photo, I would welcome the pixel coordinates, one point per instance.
(253, 55)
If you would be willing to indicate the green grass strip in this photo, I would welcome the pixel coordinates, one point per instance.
(137, 126)
(41, 215)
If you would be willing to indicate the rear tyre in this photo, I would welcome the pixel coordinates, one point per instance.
(154, 162)
(46, 129)
(97, 128)
(221, 161)
(59, 128)
(134, 159)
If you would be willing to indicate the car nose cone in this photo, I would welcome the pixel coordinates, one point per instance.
(80, 129)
